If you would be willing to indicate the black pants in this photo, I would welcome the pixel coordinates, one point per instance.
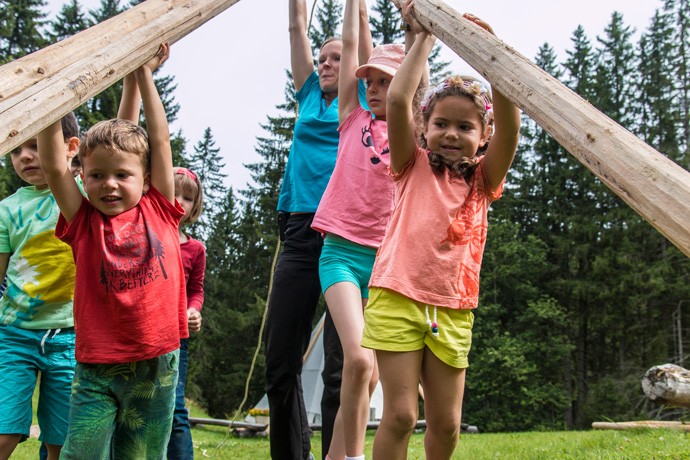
(332, 376)
(291, 309)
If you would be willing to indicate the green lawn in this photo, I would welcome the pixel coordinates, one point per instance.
(641, 444)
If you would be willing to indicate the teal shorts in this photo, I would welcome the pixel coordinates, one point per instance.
(124, 407)
(342, 260)
(393, 322)
(23, 354)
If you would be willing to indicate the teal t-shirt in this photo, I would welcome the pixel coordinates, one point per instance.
(40, 273)
(313, 150)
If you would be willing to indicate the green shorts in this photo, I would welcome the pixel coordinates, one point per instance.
(122, 411)
(393, 322)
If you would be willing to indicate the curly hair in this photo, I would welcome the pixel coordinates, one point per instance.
(461, 86)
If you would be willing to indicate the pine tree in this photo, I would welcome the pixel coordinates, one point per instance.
(207, 163)
(657, 117)
(104, 105)
(267, 175)
(69, 21)
(580, 64)
(107, 10)
(385, 23)
(21, 23)
(680, 12)
(617, 66)
(385, 28)
(328, 19)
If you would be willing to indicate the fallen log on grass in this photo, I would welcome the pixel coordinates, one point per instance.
(641, 424)
(667, 384)
(229, 423)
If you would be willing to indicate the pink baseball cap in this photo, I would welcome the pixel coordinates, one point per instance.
(386, 58)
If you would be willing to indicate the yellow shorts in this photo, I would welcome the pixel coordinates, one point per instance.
(393, 322)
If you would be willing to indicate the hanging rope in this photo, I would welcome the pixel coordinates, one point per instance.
(311, 16)
(263, 318)
(256, 353)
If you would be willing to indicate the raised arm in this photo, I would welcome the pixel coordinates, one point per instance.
(399, 107)
(55, 165)
(366, 43)
(301, 58)
(129, 101)
(347, 82)
(162, 177)
(131, 97)
(503, 144)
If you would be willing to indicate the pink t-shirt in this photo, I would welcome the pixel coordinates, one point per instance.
(358, 200)
(129, 295)
(433, 249)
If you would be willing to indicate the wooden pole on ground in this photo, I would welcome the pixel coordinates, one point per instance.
(57, 79)
(658, 424)
(654, 186)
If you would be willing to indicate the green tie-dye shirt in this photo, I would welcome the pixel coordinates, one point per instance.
(40, 273)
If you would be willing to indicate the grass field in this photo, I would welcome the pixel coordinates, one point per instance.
(641, 444)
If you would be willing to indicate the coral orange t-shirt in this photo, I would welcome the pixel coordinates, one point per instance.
(432, 251)
(129, 297)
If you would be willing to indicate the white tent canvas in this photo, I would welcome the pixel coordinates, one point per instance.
(312, 384)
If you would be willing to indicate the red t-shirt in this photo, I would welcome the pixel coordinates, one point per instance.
(129, 296)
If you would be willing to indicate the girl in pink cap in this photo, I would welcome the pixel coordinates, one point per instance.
(425, 281)
(353, 215)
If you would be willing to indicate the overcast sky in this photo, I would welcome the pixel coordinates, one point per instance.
(230, 73)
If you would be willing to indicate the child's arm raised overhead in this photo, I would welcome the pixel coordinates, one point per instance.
(400, 118)
(501, 150)
(162, 177)
(129, 101)
(131, 97)
(347, 81)
(55, 166)
(366, 43)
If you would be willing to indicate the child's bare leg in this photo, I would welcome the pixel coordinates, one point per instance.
(346, 307)
(399, 374)
(443, 389)
(374, 378)
(8, 442)
(53, 451)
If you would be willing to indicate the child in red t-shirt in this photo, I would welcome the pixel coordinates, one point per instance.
(189, 194)
(129, 303)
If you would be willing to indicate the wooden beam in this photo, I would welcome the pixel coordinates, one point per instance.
(18, 75)
(101, 63)
(654, 186)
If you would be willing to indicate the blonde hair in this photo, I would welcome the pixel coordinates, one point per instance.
(116, 134)
(186, 181)
(461, 86)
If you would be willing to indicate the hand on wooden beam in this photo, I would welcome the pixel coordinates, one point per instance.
(410, 19)
(159, 59)
(481, 23)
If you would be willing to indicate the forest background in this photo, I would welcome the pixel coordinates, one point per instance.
(580, 296)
